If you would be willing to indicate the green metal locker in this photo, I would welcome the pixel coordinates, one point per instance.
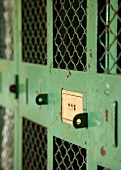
(60, 68)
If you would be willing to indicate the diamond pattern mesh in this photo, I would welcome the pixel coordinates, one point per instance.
(34, 30)
(6, 42)
(69, 30)
(68, 156)
(6, 139)
(109, 37)
(34, 146)
(102, 168)
(2, 31)
(2, 112)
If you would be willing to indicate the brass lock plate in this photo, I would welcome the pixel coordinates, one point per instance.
(72, 104)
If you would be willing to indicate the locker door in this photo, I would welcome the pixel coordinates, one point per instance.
(103, 98)
(43, 133)
(8, 86)
(33, 87)
(68, 83)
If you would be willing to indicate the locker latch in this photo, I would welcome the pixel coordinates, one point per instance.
(42, 99)
(14, 87)
(80, 120)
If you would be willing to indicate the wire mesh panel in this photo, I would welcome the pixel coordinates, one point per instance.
(34, 146)
(6, 35)
(2, 31)
(34, 31)
(69, 31)
(68, 156)
(102, 168)
(2, 113)
(119, 38)
(6, 139)
(109, 37)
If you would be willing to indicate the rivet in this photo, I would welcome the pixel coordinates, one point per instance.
(103, 151)
(78, 121)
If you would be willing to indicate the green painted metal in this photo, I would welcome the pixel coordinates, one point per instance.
(100, 93)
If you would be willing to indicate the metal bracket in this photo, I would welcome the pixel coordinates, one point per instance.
(81, 120)
(42, 99)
